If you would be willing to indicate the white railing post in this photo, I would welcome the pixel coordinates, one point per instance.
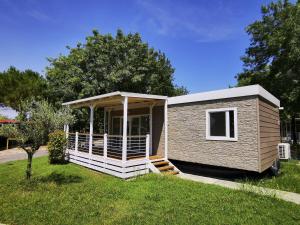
(67, 130)
(147, 146)
(124, 143)
(105, 145)
(91, 129)
(76, 142)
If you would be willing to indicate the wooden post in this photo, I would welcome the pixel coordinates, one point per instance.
(150, 127)
(124, 143)
(104, 122)
(76, 142)
(147, 145)
(91, 129)
(166, 128)
(108, 122)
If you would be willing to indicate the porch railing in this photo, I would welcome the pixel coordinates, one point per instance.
(110, 146)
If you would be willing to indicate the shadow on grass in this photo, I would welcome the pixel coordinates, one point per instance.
(54, 177)
(60, 178)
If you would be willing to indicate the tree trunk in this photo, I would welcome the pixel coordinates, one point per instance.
(293, 129)
(29, 165)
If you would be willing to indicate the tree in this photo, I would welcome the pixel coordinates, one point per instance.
(17, 86)
(106, 64)
(2, 117)
(273, 57)
(36, 120)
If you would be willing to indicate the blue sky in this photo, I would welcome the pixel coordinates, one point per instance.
(203, 39)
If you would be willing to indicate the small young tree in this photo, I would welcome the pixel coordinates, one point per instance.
(36, 121)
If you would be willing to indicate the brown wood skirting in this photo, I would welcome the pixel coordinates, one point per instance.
(269, 133)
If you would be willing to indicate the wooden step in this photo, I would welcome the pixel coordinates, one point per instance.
(161, 163)
(164, 168)
(171, 172)
(152, 157)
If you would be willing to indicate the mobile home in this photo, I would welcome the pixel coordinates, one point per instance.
(235, 128)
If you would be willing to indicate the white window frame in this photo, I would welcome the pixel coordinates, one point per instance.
(227, 137)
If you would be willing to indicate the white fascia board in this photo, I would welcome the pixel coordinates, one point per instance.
(92, 98)
(225, 93)
(117, 93)
(137, 95)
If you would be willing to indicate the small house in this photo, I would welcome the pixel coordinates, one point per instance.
(235, 128)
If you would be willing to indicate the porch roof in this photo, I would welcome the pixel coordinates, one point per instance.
(114, 98)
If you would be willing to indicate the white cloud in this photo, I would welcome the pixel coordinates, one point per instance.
(24, 8)
(204, 23)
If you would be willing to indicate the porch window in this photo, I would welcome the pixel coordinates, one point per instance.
(221, 124)
(136, 125)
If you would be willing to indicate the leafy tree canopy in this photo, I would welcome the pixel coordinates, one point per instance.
(105, 63)
(17, 86)
(36, 120)
(273, 57)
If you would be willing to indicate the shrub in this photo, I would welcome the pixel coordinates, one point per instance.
(295, 151)
(57, 147)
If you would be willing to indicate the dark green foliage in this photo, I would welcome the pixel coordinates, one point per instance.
(273, 57)
(105, 64)
(17, 86)
(57, 147)
(295, 151)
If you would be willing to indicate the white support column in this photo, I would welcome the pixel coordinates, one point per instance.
(150, 127)
(105, 145)
(147, 146)
(91, 129)
(166, 128)
(76, 142)
(124, 144)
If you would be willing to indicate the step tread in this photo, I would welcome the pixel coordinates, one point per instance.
(163, 168)
(156, 157)
(160, 163)
(171, 172)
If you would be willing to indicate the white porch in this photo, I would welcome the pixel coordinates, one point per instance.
(125, 149)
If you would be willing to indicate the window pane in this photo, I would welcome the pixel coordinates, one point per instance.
(217, 124)
(231, 124)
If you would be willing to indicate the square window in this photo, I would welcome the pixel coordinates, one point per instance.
(221, 124)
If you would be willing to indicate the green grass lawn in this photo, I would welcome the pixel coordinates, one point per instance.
(70, 194)
(287, 180)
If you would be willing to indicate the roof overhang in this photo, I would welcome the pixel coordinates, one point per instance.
(114, 98)
(251, 90)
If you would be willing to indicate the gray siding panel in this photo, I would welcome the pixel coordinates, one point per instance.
(187, 134)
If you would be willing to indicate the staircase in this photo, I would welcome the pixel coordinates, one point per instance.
(160, 165)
